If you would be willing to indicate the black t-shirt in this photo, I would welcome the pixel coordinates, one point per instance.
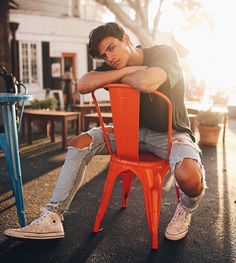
(153, 109)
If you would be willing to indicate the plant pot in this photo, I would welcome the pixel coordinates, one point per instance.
(232, 111)
(209, 135)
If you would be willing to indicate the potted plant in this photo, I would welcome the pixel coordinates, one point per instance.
(49, 104)
(208, 126)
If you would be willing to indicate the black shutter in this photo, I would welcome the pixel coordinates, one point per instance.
(15, 58)
(46, 66)
(17, 61)
(56, 82)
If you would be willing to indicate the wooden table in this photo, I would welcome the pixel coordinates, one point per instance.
(52, 116)
(93, 117)
(195, 107)
(90, 108)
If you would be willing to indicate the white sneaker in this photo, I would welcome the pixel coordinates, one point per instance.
(179, 224)
(47, 226)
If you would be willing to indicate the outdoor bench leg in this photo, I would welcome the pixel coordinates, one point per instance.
(52, 131)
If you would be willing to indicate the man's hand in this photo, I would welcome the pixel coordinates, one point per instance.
(145, 79)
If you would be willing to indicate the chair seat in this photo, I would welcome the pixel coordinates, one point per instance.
(150, 157)
(145, 159)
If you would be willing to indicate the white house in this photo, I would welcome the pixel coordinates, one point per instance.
(53, 34)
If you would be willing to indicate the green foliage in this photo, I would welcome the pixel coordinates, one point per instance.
(49, 103)
(208, 118)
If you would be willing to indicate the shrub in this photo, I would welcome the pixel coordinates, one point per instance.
(49, 103)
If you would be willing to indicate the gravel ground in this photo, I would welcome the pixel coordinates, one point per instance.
(41, 164)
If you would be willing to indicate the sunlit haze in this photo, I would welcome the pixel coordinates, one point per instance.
(212, 51)
(212, 47)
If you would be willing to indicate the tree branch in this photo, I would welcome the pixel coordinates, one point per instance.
(143, 36)
(132, 4)
(140, 14)
(156, 20)
(143, 12)
(146, 4)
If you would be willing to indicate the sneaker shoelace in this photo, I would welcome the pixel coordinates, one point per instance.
(54, 207)
(180, 217)
(42, 215)
(44, 212)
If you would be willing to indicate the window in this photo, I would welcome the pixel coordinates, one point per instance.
(97, 63)
(93, 63)
(28, 63)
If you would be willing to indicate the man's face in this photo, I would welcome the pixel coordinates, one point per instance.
(116, 53)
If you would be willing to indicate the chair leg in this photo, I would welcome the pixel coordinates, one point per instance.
(152, 197)
(111, 177)
(126, 185)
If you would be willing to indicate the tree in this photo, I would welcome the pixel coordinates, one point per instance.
(140, 26)
(5, 54)
(5, 58)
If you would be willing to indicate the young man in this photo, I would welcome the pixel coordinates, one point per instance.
(145, 69)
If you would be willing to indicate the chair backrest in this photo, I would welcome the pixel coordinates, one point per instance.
(125, 102)
(125, 114)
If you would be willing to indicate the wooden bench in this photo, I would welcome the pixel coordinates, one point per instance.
(52, 116)
(93, 118)
(107, 118)
(90, 108)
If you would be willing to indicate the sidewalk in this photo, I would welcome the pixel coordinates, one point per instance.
(125, 237)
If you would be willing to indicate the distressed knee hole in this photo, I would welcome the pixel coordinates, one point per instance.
(179, 141)
(189, 177)
(109, 130)
(82, 141)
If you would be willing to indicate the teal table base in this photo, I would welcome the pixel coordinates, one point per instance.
(9, 143)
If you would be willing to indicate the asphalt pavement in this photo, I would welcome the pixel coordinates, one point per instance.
(125, 236)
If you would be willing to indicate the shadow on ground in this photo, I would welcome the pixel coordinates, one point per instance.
(125, 236)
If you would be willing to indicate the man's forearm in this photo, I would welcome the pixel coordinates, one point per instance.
(97, 79)
(146, 80)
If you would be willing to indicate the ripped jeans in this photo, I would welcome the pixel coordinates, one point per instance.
(76, 160)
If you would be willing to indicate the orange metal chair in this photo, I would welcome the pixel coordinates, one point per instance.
(127, 161)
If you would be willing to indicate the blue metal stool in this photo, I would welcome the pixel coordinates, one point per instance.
(9, 143)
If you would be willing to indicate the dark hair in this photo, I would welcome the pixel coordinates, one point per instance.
(99, 33)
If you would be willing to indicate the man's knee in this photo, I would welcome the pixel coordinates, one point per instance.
(84, 140)
(188, 174)
(110, 130)
(81, 141)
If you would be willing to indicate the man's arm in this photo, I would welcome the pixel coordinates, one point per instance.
(97, 79)
(146, 80)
